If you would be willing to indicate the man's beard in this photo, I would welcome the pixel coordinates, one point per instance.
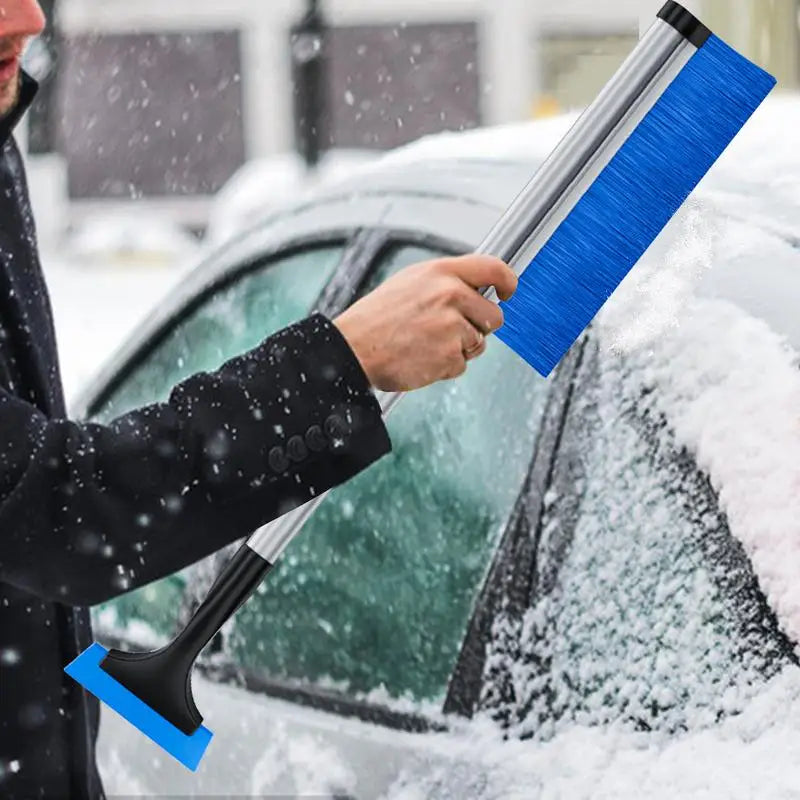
(9, 95)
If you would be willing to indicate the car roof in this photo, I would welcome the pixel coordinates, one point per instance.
(487, 165)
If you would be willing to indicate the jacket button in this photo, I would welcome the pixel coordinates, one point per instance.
(277, 459)
(315, 439)
(296, 448)
(335, 427)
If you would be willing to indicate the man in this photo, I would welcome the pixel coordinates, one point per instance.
(89, 511)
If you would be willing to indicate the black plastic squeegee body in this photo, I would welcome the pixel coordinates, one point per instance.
(162, 678)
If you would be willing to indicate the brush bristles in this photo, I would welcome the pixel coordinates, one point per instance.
(629, 203)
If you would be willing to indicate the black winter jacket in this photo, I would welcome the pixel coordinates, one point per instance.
(83, 511)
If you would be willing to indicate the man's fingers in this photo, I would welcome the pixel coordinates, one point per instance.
(478, 347)
(425, 323)
(458, 367)
(485, 315)
(479, 271)
(471, 338)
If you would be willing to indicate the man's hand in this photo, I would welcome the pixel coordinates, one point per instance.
(424, 323)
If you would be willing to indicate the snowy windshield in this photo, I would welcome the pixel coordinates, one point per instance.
(645, 609)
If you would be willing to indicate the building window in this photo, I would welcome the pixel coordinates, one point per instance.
(391, 84)
(574, 68)
(151, 114)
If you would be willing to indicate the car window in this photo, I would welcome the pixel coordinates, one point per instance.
(375, 595)
(645, 609)
(230, 321)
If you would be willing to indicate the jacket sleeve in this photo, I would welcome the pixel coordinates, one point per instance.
(90, 511)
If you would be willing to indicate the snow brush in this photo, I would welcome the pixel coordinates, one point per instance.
(575, 231)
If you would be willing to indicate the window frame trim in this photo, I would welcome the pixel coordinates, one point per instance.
(181, 306)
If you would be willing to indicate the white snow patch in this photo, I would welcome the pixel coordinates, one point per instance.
(107, 622)
(119, 775)
(651, 299)
(380, 696)
(729, 385)
(97, 307)
(129, 236)
(306, 761)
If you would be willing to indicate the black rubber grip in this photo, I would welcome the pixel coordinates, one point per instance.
(162, 678)
(685, 23)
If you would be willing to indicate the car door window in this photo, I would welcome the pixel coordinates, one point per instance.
(375, 595)
(228, 322)
(232, 320)
(645, 609)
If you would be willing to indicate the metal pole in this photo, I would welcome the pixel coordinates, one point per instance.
(309, 78)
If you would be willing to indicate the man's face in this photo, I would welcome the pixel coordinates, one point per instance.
(19, 20)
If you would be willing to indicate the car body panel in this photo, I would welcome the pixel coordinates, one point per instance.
(261, 747)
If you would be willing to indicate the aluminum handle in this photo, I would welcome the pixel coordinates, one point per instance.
(659, 55)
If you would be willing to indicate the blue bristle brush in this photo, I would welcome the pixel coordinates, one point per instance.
(576, 230)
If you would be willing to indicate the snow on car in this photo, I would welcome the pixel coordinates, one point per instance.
(267, 184)
(129, 238)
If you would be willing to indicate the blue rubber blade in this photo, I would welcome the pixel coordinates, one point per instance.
(85, 669)
(632, 199)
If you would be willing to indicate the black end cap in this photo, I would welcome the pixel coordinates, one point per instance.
(685, 23)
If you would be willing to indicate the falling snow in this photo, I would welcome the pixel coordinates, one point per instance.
(639, 681)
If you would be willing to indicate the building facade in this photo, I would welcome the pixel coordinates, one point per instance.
(162, 102)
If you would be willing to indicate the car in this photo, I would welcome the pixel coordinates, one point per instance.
(572, 587)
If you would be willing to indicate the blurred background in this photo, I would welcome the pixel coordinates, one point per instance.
(156, 106)
(164, 129)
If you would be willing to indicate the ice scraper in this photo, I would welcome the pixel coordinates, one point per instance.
(578, 227)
